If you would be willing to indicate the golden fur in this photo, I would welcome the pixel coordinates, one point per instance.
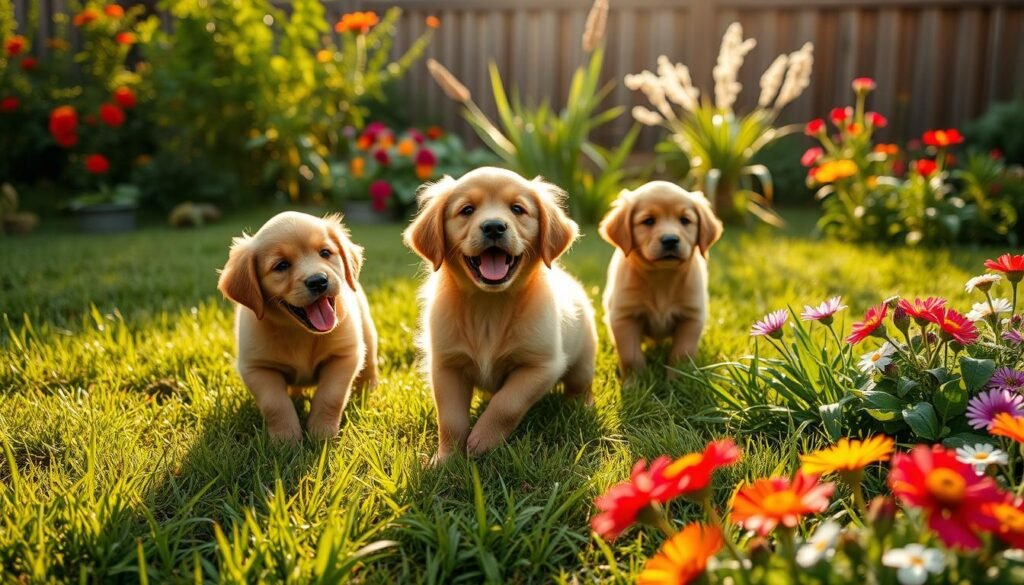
(515, 339)
(277, 351)
(652, 292)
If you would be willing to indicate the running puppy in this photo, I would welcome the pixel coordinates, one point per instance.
(302, 320)
(499, 313)
(658, 277)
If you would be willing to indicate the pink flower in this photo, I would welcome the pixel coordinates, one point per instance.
(983, 408)
(863, 84)
(1014, 337)
(771, 324)
(811, 156)
(1007, 379)
(620, 505)
(873, 320)
(956, 327)
(814, 127)
(840, 115)
(426, 157)
(823, 312)
(380, 192)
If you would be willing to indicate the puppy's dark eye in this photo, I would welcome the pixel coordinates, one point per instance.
(282, 266)
(467, 210)
(648, 221)
(685, 220)
(518, 209)
(325, 253)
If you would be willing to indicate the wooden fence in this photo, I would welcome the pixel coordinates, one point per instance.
(938, 63)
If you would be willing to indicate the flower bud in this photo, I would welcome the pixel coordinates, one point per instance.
(759, 551)
(901, 319)
(892, 302)
(881, 515)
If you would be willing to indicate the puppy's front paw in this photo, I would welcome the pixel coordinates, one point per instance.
(441, 457)
(321, 430)
(483, 440)
(285, 433)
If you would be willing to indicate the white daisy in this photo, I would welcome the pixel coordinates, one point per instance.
(983, 282)
(820, 546)
(877, 360)
(980, 456)
(982, 311)
(914, 562)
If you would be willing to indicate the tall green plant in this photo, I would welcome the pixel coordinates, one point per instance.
(537, 140)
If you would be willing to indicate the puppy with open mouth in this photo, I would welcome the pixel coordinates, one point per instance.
(499, 313)
(657, 279)
(302, 320)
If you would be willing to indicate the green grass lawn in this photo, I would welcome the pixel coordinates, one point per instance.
(131, 442)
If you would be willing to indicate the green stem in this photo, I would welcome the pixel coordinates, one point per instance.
(1013, 310)
(788, 545)
(716, 519)
(993, 322)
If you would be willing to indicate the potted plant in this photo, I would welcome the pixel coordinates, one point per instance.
(108, 210)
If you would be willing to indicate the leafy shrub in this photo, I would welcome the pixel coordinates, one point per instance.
(999, 129)
(537, 141)
(917, 386)
(718, 143)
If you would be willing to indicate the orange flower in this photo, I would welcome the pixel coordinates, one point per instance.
(1009, 521)
(364, 142)
(97, 164)
(324, 56)
(424, 172)
(125, 38)
(887, 149)
(406, 147)
(385, 140)
(57, 44)
(114, 11)
(1007, 425)
(434, 132)
(767, 503)
(125, 97)
(848, 457)
(942, 138)
(835, 170)
(86, 16)
(357, 22)
(683, 557)
(358, 166)
(433, 22)
(15, 45)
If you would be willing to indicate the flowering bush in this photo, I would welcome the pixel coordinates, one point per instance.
(388, 167)
(872, 192)
(953, 517)
(935, 374)
(718, 144)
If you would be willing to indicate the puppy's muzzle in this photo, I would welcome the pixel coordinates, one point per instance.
(494, 229)
(317, 284)
(670, 242)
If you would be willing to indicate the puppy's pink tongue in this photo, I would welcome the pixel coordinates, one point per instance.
(493, 266)
(321, 314)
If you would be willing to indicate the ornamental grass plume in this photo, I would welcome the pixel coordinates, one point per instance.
(452, 87)
(597, 20)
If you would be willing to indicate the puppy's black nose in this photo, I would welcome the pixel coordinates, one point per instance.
(670, 241)
(493, 228)
(317, 284)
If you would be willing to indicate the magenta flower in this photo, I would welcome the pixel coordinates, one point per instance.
(1014, 337)
(771, 324)
(1007, 379)
(824, 311)
(380, 192)
(983, 408)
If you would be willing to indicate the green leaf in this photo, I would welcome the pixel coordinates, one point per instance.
(941, 375)
(950, 399)
(879, 400)
(904, 386)
(976, 372)
(923, 421)
(832, 417)
(971, 439)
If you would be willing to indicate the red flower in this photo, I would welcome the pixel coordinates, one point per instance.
(840, 115)
(416, 135)
(873, 320)
(620, 505)
(949, 492)
(9, 104)
(380, 192)
(15, 45)
(923, 310)
(125, 38)
(1012, 265)
(358, 22)
(382, 156)
(114, 11)
(111, 115)
(86, 16)
(66, 140)
(814, 127)
(1008, 520)
(876, 120)
(766, 503)
(956, 327)
(426, 157)
(863, 84)
(434, 132)
(691, 474)
(29, 64)
(97, 164)
(811, 156)
(63, 120)
(924, 167)
(942, 138)
(125, 97)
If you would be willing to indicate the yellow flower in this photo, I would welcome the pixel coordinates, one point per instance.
(835, 170)
(683, 557)
(848, 456)
(358, 166)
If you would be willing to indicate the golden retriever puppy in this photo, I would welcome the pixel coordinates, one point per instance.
(658, 276)
(499, 313)
(302, 320)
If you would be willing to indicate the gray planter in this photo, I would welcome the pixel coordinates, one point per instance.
(361, 211)
(107, 218)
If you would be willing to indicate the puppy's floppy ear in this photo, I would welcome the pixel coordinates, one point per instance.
(351, 254)
(709, 228)
(617, 226)
(239, 280)
(557, 231)
(426, 233)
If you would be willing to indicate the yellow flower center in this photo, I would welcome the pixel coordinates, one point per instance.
(981, 456)
(946, 485)
(683, 463)
(876, 356)
(779, 503)
(916, 561)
